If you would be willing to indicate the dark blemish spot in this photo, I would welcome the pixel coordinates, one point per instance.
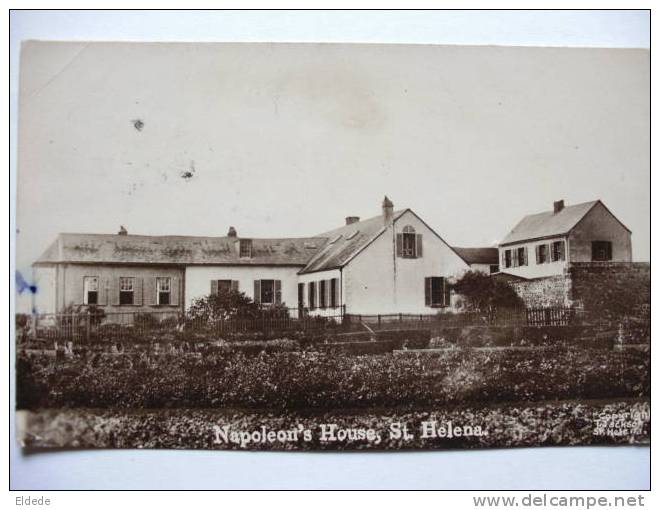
(50, 142)
(163, 176)
(499, 103)
(23, 286)
(576, 147)
(138, 124)
(186, 175)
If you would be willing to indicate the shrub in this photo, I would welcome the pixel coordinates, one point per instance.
(483, 293)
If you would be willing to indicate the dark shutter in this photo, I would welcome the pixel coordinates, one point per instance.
(257, 291)
(503, 258)
(399, 245)
(418, 245)
(609, 250)
(278, 292)
(525, 256)
(537, 248)
(446, 292)
(427, 291)
(214, 287)
(234, 285)
(562, 250)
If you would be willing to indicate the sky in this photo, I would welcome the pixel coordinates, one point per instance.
(287, 140)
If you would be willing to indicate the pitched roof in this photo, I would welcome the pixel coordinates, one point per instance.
(346, 241)
(546, 224)
(478, 255)
(135, 249)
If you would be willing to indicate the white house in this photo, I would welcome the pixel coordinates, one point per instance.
(544, 244)
(391, 263)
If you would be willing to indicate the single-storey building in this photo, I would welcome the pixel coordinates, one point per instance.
(484, 260)
(391, 263)
(544, 244)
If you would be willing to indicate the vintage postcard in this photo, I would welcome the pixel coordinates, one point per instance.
(332, 246)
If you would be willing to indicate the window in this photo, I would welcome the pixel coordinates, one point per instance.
(557, 252)
(494, 268)
(91, 290)
(126, 290)
(268, 292)
(163, 290)
(323, 286)
(542, 254)
(521, 256)
(311, 295)
(408, 243)
(245, 248)
(333, 293)
(223, 286)
(507, 258)
(601, 250)
(436, 292)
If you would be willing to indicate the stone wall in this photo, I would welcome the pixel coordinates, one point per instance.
(615, 297)
(550, 291)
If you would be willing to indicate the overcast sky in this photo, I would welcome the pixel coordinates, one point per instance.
(287, 140)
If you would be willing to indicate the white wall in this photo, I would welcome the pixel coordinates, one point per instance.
(532, 269)
(198, 280)
(377, 281)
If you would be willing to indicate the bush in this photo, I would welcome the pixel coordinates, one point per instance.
(329, 380)
(483, 293)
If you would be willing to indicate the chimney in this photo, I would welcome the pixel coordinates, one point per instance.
(388, 210)
(558, 206)
(232, 232)
(352, 219)
(122, 231)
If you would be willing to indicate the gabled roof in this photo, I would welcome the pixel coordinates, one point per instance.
(345, 242)
(548, 224)
(478, 255)
(135, 249)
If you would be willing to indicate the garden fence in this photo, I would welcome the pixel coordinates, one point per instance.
(86, 326)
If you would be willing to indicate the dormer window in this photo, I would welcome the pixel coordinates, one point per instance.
(245, 248)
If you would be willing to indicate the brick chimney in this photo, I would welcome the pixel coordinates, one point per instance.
(352, 219)
(558, 206)
(232, 232)
(388, 210)
(122, 231)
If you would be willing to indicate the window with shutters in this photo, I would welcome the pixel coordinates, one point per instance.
(245, 248)
(601, 251)
(91, 290)
(323, 294)
(267, 292)
(333, 292)
(557, 252)
(311, 295)
(126, 290)
(508, 259)
(163, 290)
(436, 292)
(409, 242)
(542, 254)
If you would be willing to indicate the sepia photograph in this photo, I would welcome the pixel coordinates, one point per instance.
(331, 246)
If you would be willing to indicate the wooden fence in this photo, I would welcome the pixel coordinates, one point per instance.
(86, 326)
